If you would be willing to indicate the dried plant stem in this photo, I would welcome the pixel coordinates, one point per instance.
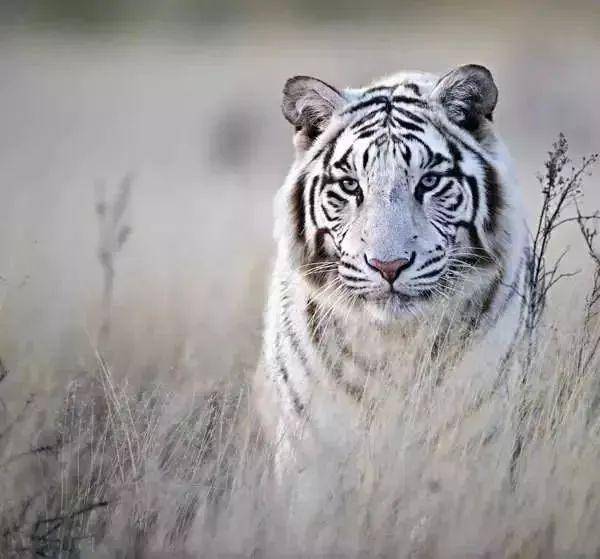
(114, 232)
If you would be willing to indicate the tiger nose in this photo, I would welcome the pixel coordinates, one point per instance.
(389, 269)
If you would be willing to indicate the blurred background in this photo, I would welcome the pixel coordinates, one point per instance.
(184, 96)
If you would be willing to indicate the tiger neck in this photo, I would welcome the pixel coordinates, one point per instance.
(352, 345)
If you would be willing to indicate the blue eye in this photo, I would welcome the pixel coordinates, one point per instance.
(349, 184)
(429, 181)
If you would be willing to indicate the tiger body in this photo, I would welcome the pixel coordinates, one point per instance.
(399, 231)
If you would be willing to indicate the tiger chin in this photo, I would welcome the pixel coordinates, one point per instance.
(399, 229)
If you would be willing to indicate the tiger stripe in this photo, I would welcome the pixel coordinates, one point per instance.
(407, 172)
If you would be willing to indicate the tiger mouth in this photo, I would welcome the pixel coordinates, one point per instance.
(397, 297)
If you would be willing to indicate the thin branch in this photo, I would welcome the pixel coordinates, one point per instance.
(3, 370)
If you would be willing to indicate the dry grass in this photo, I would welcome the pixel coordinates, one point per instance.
(138, 466)
(153, 449)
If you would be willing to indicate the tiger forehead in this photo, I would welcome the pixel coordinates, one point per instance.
(386, 98)
(386, 151)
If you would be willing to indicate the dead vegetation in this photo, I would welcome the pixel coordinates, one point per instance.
(152, 470)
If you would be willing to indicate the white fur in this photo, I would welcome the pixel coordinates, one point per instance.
(333, 421)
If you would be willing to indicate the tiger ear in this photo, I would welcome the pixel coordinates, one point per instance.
(468, 95)
(308, 104)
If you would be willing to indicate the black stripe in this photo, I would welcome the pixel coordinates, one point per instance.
(377, 88)
(320, 252)
(445, 189)
(297, 208)
(429, 274)
(365, 159)
(414, 87)
(412, 137)
(336, 196)
(430, 262)
(352, 278)
(409, 100)
(288, 328)
(298, 405)
(365, 118)
(473, 187)
(490, 295)
(493, 196)
(329, 153)
(378, 100)
(350, 266)
(375, 119)
(342, 162)
(370, 126)
(328, 216)
(406, 153)
(330, 366)
(406, 124)
(495, 200)
(368, 133)
(439, 229)
(472, 182)
(312, 320)
(437, 159)
(284, 374)
(329, 146)
(483, 259)
(311, 201)
(410, 116)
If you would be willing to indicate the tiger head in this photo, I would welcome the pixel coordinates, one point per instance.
(398, 196)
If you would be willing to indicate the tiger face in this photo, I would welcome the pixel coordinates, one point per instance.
(393, 201)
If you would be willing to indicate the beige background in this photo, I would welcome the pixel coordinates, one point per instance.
(191, 108)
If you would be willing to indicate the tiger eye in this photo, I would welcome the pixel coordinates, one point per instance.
(350, 184)
(429, 181)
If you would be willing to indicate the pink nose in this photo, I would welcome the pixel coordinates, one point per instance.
(389, 269)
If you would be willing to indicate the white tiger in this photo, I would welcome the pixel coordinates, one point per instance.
(399, 231)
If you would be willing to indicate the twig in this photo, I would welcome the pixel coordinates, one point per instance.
(561, 190)
(114, 232)
(3, 370)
